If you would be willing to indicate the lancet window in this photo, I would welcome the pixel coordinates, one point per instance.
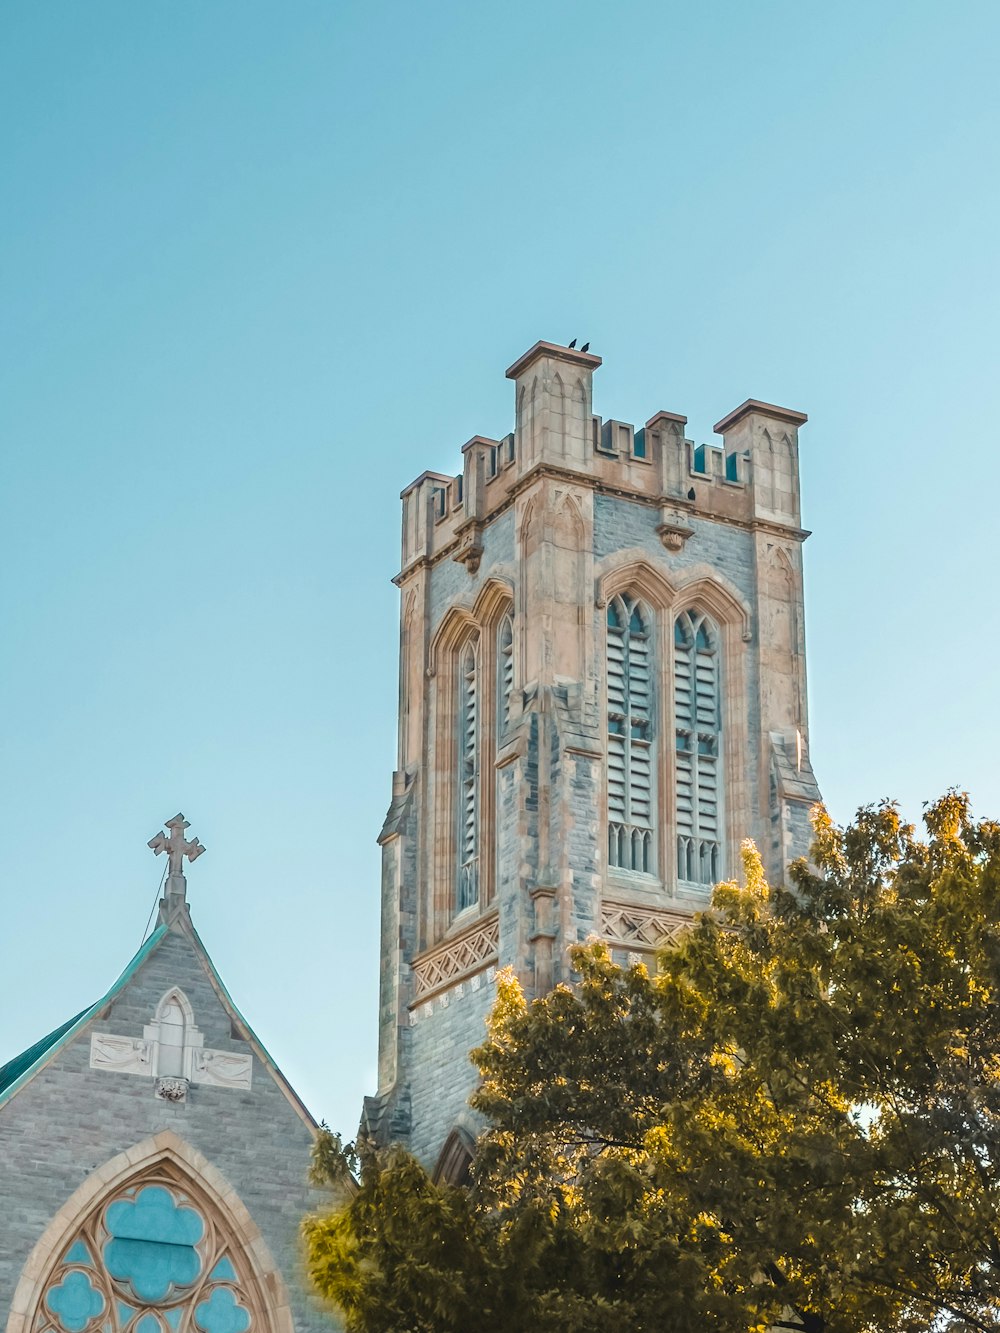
(698, 779)
(475, 672)
(505, 671)
(468, 785)
(151, 1258)
(631, 737)
(172, 1022)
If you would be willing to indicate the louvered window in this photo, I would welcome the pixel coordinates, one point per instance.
(468, 787)
(697, 744)
(505, 671)
(631, 779)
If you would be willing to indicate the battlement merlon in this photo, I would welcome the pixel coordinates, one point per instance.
(769, 436)
(751, 477)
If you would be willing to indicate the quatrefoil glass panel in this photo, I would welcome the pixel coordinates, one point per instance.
(154, 1257)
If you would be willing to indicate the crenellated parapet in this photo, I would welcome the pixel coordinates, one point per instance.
(751, 477)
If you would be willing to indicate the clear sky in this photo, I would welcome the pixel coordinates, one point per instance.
(264, 263)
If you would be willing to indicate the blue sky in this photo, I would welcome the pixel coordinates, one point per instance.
(263, 264)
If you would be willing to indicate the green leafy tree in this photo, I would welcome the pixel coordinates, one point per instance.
(793, 1124)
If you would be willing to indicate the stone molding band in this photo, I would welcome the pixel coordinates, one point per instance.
(628, 925)
(462, 955)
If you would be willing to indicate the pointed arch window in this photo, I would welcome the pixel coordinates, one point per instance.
(468, 786)
(698, 778)
(152, 1257)
(505, 671)
(631, 736)
(171, 1033)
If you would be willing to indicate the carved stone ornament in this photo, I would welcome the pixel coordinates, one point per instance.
(471, 555)
(222, 1069)
(125, 1055)
(641, 927)
(674, 535)
(172, 1089)
(458, 957)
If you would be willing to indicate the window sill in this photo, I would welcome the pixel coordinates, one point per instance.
(691, 891)
(637, 883)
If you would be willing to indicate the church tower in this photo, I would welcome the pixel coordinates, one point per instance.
(602, 692)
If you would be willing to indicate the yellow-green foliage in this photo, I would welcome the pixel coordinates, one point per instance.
(792, 1124)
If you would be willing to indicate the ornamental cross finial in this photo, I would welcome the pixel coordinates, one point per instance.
(176, 847)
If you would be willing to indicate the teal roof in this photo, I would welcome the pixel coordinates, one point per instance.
(13, 1069)
(15, 1073)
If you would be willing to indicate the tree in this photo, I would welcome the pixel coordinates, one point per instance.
(794, 1123)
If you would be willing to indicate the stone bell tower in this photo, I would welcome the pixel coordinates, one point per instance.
(602, 692)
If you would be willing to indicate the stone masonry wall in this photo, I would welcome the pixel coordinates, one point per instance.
(441, 1076)
(70, 1119)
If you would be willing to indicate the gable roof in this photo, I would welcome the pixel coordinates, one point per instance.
(19, 1071)
(15, 1073)
(13, 1069)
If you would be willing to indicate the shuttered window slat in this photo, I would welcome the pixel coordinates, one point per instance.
(698, 785)
(631, 736)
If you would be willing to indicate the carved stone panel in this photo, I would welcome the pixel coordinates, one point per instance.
(222, 1069)
(124, 1055)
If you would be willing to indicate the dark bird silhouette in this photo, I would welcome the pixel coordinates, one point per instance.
(573, 343)
(691, 494)
(585, 347)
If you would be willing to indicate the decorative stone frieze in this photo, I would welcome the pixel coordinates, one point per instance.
(629, 925)
(471, 951)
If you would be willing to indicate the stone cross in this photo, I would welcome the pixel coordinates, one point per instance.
(176, 846)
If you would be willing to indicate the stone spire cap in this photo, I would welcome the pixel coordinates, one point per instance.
(763, 409)
(575, 358)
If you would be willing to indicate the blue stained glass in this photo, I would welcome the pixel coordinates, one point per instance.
(79, 1254)
(148, 1324)
(221, 1313)
(74, 1302)
(149, 1268)
(152, 1243)
(153, 1215)
(223, 1271)
(173, 1317)
(125, 1313)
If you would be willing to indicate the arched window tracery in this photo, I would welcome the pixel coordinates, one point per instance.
(153, 1256)
(631, 736)
(698, 779)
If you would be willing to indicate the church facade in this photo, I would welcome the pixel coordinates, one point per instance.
(154, 1160)
(602, 693)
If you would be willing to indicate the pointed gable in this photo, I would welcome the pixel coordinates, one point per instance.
(162, 1057)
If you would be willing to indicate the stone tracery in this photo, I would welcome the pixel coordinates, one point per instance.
(156, 1255)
